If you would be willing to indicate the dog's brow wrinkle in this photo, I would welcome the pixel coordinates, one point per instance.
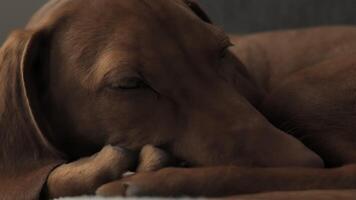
(106, 64)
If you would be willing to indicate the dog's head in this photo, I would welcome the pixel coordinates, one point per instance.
(155, 72)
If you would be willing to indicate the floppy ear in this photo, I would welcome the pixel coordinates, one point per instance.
(26, 156)
(194, 6)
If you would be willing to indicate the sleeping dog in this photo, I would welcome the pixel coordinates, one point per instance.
(88, 83)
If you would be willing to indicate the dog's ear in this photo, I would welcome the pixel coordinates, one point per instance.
(26, 156)
(195, 7)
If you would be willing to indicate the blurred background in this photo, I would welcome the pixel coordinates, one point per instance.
(240, 16)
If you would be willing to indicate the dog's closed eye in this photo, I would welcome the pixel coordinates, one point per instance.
(129, 83)
(123, 80)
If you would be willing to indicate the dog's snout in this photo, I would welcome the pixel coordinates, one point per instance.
(228, 138)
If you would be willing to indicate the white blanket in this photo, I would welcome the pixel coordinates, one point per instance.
(302, 195)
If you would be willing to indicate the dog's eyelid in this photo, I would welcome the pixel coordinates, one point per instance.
(120, 78)
(115, 75)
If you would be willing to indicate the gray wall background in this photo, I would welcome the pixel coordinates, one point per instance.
(241, 16)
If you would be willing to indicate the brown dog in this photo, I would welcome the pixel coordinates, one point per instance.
(88, 74)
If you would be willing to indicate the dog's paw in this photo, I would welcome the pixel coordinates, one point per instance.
(153, 159)
(86, 175)
(164, 182)
(146, 181)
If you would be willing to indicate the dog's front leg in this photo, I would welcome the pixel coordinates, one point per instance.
(84, 176)
(225, 181)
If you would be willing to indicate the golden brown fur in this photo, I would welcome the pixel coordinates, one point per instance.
(91, 76)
